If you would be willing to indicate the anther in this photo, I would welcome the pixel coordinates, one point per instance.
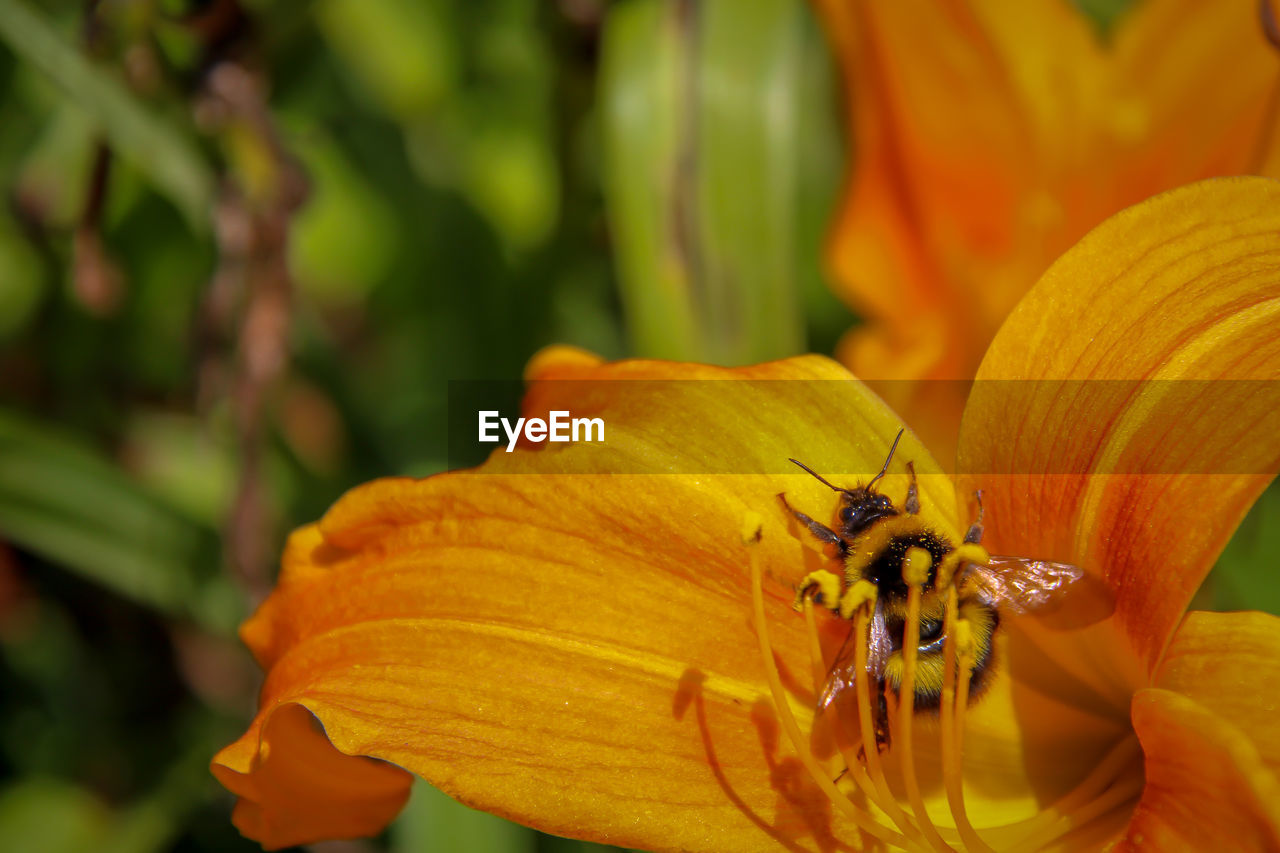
(964, 640)
(827, 586)
(861, 594)
(957, 559)
(915, 567)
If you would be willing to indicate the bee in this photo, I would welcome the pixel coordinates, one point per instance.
(872, 539)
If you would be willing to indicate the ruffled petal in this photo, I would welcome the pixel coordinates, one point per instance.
(294, 787)
(1206, 783)
(569, 648)
(988, 137)
(1101, 425)
(1229, 663)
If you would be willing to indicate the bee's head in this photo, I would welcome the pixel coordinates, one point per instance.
(861, 506)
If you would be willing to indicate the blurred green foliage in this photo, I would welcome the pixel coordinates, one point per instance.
(453, 225)
(720, 142)
(482, 179)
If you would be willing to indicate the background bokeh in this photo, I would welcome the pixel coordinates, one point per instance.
(244, 248)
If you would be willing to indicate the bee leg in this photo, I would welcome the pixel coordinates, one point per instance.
(912, 504)
(821, 531)
(880, 727)
(880, 722)
(974, 536)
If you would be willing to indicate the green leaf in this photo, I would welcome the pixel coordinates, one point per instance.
(72, 507)
(156, 147)
(344, 239)
(708, 125)
(402, 51)
(1247, 576)
(47, 815)
(50, 816)
(641, 91)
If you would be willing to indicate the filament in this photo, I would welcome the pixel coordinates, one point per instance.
(856, 769)
(953, 727)
(1118, 794)
(860, 817)
(870, 748)
(1037, 830)
(906, 701)
(1096, 794)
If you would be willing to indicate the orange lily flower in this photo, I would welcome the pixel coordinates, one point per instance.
(989, 136)
(599, 655)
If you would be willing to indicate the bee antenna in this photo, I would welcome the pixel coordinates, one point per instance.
(818, 476)
(887, 460)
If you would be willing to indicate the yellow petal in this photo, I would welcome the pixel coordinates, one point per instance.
(1229, 663)
(570, 648)
(1206, 784)
(1099, 425)
(989, 136)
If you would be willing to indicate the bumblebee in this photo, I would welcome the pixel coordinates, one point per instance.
(873, 538)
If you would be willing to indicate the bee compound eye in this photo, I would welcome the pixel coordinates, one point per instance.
(930, 629)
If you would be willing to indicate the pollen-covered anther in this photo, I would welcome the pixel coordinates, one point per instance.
(915, 567)
(861, 595)
(965, 647)
(963, 554)
(822, 586)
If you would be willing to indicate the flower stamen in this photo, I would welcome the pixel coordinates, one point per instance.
(788, 721)
(862, 684)
(952, 720)
(854, 767)
(915, 571)
(1098, 793)
(1116, 795)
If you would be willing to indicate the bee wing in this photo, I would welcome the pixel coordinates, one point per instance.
(844, 669)
(1020, 584)
(879, 644)
(842, 672)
